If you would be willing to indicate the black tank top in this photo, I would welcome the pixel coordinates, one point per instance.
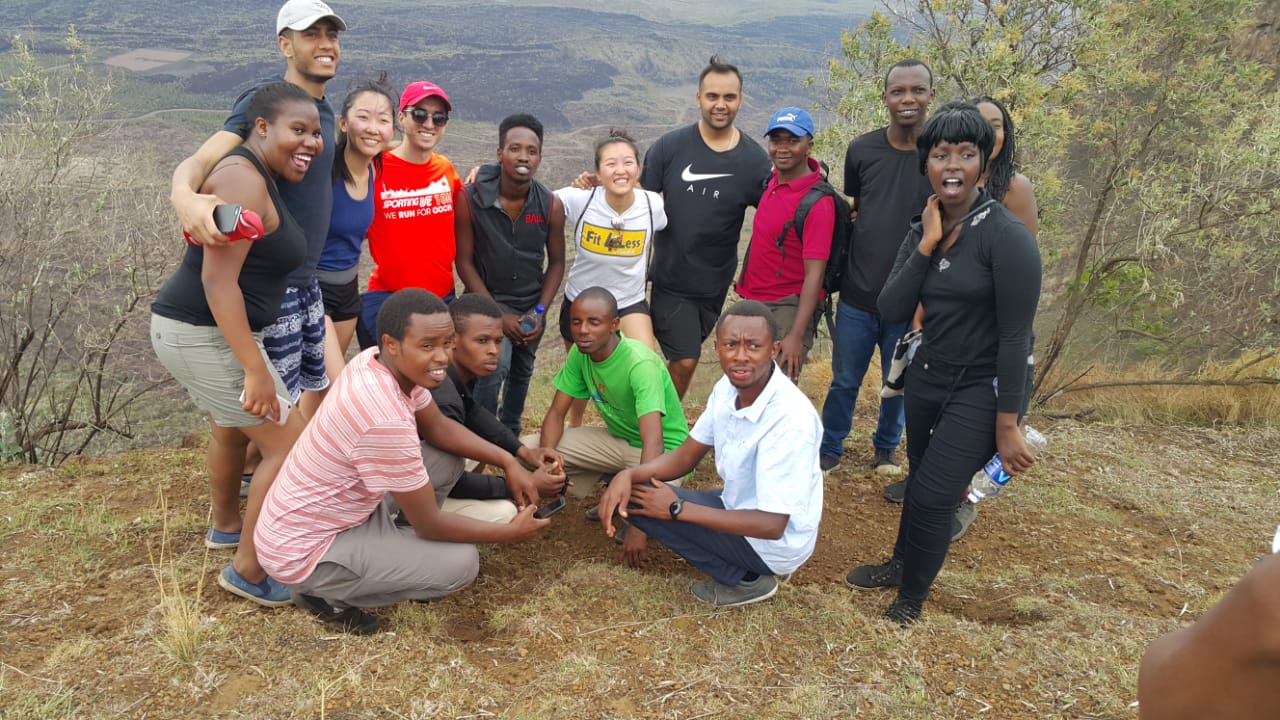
(262, 279)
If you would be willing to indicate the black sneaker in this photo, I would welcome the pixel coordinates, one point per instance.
(896, 492)
(870, 577)
(903, 612)
(886, 462)
(828, 462)
(348, 620)
(963, 519)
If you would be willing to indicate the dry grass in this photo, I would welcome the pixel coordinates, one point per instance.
(179, 632)
(1206, 404)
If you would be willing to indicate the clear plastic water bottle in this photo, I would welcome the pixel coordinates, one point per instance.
(992, 478)
(532, 320)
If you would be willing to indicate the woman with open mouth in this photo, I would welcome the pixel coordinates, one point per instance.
(975, 269)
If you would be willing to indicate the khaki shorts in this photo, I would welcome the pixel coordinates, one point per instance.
(784, 313)
(200, 359)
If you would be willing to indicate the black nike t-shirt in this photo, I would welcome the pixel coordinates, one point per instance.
(706, 194)
(890, 190)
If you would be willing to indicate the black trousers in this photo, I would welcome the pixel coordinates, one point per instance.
(951, 420)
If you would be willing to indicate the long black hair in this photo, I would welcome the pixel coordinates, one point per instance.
(1002, 167)
(380, 87)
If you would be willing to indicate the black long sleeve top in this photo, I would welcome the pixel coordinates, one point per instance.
(979, 296)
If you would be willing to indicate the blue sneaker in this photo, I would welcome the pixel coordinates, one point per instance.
(218, 540)
(268, 593)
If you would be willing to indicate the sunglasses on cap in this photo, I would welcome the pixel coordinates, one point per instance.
(420, 116)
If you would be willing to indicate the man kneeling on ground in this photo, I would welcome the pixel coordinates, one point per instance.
(631, 389)
(328, 528)
(764, 521)
(477, 324)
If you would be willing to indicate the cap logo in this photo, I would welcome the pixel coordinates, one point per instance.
(789, 117)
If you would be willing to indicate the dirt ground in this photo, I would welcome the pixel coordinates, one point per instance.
(1121, 535)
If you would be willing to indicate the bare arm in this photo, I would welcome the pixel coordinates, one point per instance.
(430, 523)
(553, 423)
(194, 210)
(791, 355)
(464, 237)
(651, 441)
(466, 246)
(654, 501)
(667, 466)
(555, 254)
(1020, 199)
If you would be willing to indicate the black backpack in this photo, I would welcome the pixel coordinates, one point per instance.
(841, 240)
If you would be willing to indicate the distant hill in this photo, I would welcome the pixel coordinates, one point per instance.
(573, 64)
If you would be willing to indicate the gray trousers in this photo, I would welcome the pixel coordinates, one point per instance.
(377, 563)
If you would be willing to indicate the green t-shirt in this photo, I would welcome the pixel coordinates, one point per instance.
(631, 382)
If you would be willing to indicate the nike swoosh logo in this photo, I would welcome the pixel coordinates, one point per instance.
(688, 175)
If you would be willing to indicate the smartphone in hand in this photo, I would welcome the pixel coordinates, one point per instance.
(556, 505)
(286, 406)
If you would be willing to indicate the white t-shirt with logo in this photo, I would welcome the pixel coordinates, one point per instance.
(617, 260)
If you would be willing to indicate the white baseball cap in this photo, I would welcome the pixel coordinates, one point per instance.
(302, 14)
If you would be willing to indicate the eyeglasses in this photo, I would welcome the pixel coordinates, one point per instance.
(420, 116)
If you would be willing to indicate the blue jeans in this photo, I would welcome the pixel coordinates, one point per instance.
(857, 335)
(726, 558)
(511, 380)
(373, 299)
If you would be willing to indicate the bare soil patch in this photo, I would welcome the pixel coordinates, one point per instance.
(1042, 611)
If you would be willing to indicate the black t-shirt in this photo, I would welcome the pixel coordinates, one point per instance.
(262, 278)
(979, 297)
(310, 200)
(890, 190)
(456, 402)
(705, 193)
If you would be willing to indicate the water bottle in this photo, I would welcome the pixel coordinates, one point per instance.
(992, 478)
(531, 320)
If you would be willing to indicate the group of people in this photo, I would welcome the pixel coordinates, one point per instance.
(360, 493)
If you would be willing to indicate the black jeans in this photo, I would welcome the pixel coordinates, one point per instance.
(951, 420)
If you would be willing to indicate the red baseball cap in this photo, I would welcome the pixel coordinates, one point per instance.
(416, 92)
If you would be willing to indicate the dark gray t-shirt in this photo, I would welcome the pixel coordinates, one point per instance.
(309, 201)
(705, 193)
(890, 190)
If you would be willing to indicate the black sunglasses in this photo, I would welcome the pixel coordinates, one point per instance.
(420, 116)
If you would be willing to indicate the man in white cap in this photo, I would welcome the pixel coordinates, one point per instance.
(307, 34)
(419, 207)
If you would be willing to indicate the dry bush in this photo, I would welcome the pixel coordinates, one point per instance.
(84, 236)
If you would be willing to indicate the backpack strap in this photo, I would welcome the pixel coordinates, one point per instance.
(577, 225)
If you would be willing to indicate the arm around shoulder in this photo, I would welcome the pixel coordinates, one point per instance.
(195, 211)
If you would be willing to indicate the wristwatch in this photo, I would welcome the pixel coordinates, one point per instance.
(675, 508)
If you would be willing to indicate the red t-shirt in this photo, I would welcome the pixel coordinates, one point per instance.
(772, 273)
(411, 238)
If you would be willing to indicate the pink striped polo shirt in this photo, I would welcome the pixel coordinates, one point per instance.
(361, 444)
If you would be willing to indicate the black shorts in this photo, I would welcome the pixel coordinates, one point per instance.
(566, 331)
(342, 302)
(682, 324)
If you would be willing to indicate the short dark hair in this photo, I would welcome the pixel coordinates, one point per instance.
(1003, 165)
(956, 122)
(267, 100)
(398, 311)
(595, 292)
(716, 65)
(907, 63)
(616, 136)
(473, 304)
(523, 120)
(751, 308)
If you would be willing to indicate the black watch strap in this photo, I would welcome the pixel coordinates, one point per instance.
(675, 508)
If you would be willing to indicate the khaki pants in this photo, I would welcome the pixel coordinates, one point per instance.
(588, 453)
(444, 470)
(379, 563)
